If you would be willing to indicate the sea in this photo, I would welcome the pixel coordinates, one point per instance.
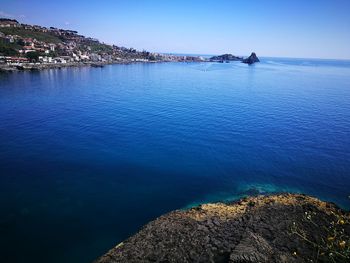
(90, 155)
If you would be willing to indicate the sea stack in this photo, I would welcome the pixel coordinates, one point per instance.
(251, 59)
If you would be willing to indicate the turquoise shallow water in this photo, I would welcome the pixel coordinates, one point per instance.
(89, 155)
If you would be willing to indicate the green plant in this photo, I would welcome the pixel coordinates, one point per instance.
(33, 56)
(334, 246)
(8, 49)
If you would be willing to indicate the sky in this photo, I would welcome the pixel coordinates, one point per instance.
(276, 28)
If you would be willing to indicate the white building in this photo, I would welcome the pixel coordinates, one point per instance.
(45, 59)
(84, 57)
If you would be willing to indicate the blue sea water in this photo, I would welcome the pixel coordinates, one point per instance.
(89, 155)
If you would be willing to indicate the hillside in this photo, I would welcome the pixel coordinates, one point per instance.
(18, 39)
(7, 48)
(52, 45)
(26, 33)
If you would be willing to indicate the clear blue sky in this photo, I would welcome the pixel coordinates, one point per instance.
(282, 28)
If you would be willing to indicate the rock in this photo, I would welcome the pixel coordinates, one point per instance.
(238, 232)
(225, 57)
(252, 248)
(251, 59)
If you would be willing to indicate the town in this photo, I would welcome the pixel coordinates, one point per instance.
(24, 46)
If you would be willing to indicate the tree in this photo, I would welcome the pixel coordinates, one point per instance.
(7, 49)
(152, 58)
(33, 56)
(21, 42)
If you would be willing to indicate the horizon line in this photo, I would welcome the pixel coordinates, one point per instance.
(192, 53)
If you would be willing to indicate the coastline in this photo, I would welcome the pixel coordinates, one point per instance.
(43, 66)
(271, 228)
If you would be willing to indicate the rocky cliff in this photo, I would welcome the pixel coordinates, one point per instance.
(278, 228)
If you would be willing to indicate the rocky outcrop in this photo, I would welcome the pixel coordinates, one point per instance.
(225, 57)
(229, 57)
(251, 59)
(278, 228)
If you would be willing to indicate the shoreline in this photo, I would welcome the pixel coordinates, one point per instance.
(15, 67)
(4, 68)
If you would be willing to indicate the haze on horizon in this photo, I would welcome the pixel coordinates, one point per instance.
(308, 29)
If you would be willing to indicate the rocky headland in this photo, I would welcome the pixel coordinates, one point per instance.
(229, 57)
(276, 228)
